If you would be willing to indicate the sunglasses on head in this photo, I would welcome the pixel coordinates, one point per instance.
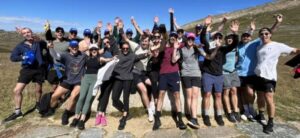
(266, 34)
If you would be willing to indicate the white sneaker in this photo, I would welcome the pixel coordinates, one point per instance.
(150, 115)
(244, 117)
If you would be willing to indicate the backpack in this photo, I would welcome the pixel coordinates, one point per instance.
(45, 102)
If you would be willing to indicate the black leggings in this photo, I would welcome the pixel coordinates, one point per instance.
(154, 77)
(118, 86)
(106, 88)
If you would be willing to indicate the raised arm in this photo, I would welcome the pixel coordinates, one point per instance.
(137, 28)
(203, 38)
(252, 27)
(48, 33)
(155, 26)
(221, 26)
(171, 11)
(278, 20)
(214, 52)
(176, 25)
(132, 44)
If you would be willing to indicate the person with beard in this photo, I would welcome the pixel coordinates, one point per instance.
(30, 53)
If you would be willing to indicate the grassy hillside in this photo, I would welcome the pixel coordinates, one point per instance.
(287, 95)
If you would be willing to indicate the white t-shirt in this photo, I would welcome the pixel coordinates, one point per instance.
(267, 59)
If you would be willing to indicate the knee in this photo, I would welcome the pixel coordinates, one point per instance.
(17, 91)
(207, 95)
(218, 95)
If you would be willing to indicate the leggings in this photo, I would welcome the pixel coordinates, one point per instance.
(106, 88)
(154, 77)
(118, 86)
(86, 94)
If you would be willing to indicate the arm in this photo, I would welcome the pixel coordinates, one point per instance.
(214, 53)
(48, 33)
(155, 26)
(176, 25)
(252, 27)
(221, 26)
(206, 28)
(16, 54)
(141, 56)
(234, 27)
(137, 28)
(105, 60)
(171, 11)
(277, 22)
(175, 55)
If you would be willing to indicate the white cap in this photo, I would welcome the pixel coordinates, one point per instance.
(93, 46)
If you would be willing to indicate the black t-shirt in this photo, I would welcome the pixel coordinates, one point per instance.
(93, 65)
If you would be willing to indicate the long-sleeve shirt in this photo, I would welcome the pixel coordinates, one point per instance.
(20, 50)
(215, 66)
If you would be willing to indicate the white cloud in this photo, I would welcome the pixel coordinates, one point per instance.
(36, 24)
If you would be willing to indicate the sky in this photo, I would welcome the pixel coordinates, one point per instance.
(85, 14)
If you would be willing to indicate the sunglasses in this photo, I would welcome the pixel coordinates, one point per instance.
(156, 37)
(93, 49)
(125, 48)
(266, 34)
(107, 42)
(59, 31)
(73, 33)
(189, 39)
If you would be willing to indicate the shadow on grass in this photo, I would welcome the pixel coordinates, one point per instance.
(136, 112)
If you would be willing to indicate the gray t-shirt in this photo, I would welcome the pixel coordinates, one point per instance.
(140, 65)
(190, 65)
(59, 47)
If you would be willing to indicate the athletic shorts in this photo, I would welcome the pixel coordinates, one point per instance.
(68, 86)
(137, 78)
(211, 81)
(265, 85)
(250, 81)
(35, 75)
(231, 80)
(189, 82)
(169, 81)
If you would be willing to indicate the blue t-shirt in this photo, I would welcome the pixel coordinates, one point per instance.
(247, 58)
(229, 65)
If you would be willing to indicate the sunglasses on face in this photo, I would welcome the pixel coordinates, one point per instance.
(93, 49)
(74, 33)
(125, 48)
(156, 37)
(106, 42)
(262, 34)
(59, 32)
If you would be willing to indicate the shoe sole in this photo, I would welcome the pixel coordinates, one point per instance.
(3, 122)
(190, 124)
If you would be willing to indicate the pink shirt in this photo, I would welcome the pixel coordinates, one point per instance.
(166, 65)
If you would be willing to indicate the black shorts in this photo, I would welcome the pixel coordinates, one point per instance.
(137, 78)
(35, 75)
(189, 82)
(169, 81)
(265, 85)
(250, 81)
(68, 86)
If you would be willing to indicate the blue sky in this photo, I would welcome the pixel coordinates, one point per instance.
(85, 14)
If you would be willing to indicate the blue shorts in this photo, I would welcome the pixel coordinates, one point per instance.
(169, 81)
(209, 81)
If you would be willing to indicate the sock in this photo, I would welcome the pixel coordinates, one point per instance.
(18, 110)
(206, 112)
(219, 112)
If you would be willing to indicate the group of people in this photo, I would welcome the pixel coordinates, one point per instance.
(153, 63)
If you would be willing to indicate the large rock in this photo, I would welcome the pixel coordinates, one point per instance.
(280, 130)
(92, 133)
(135, 101)
(49, 131)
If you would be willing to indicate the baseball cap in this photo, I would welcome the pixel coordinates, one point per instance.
(191, 35)
(129, 31)
(59, 29)
(199, 27)
(73, 30)
(73, 43)
(87, 32)
(106, 31)
(93, 46)
(173, 34)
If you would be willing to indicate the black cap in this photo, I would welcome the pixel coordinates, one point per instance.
(59, 29)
